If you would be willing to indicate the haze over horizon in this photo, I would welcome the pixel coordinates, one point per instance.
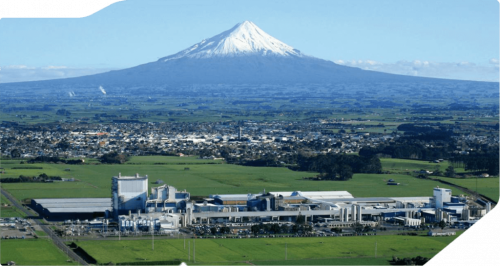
(430, 39)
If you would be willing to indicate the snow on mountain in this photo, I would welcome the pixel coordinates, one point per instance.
(243, 39)
(245, 54)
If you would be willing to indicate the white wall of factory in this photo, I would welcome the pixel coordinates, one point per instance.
(129, 193)
(441, 195)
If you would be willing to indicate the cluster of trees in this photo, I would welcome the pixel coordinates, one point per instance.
(339, 166)
(414, 144)
(48, 159)
(478, 162)
(63, 112)
(408, 149)
(409, 261)
(30, 179)
(114, 157)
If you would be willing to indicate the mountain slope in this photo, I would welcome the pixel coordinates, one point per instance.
(245, 54)
(242, 40)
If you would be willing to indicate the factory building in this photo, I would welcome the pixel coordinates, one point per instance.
(166, 199)
(441, 195)
(129, 193)
(166, 208)
(72, 208)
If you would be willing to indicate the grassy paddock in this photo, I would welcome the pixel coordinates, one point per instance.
(32, 252)
(405, 165)
(10, 211)
(348, 250)
(486, 186)
(202, 179)
(205, 179)
(382, 261)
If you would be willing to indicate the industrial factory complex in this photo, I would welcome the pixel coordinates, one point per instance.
(132, 208)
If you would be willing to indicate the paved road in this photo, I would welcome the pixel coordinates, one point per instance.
(57, 241)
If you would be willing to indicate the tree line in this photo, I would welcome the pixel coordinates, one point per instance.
(477, 162)
(30, 179)
(48, 159)
(339, 166)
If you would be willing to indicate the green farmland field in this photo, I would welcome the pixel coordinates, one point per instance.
(486, 186)
(32, 252)
(322, 250)
(9, 211)
(202, 179)
(405, 165)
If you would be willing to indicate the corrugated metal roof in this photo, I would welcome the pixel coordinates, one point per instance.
(411, 198)
(76, 205)
(234, 198)
(374, 199)
(68, 200)
(78, 210)
(224, 196)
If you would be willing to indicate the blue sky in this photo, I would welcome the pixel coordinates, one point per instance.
(413, 37)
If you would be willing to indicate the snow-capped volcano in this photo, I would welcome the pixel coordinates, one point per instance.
(244, 54)
(243, 39)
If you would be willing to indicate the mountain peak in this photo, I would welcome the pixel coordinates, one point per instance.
(242, 40)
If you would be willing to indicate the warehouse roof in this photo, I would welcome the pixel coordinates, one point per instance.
(79, 210)
(70, 200)
(76, 205)
(358, 200)
(322, 194)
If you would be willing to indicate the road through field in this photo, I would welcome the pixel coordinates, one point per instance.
(56, 240)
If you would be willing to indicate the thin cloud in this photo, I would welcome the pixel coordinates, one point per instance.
(489, 71)
(19, 73)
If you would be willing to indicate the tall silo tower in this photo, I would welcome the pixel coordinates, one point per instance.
(129, 193)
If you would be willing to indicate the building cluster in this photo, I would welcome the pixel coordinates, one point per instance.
(167, 209)
(249, 139)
